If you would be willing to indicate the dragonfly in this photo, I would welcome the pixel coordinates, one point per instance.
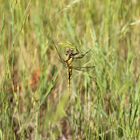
(68, 62)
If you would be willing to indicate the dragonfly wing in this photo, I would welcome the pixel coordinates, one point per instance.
(60, 58)
(83, 68)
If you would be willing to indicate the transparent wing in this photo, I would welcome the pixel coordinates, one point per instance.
(60, 57)
(83, 68)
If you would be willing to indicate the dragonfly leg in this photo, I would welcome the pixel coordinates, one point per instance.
(79, 56)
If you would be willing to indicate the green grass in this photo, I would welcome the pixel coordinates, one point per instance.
(104, 101)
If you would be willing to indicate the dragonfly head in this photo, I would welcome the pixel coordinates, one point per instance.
(70, 53)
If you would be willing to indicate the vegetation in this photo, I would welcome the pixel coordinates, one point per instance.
(103, 102)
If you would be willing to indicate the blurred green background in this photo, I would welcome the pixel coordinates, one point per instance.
(34, 100)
